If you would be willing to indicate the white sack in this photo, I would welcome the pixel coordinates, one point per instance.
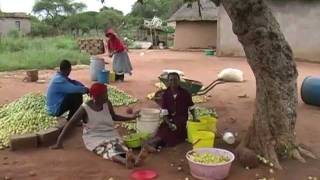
(231, 75)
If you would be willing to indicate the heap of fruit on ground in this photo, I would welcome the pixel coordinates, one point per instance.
(28, 114)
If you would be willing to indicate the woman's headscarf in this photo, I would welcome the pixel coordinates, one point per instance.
(97, 89)
(114, 42)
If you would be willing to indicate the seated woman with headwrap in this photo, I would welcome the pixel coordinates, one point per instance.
(99, 134)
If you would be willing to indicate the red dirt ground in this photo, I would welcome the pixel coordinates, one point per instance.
(75, 162)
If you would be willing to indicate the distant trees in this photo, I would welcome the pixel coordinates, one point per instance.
(55, 17)
(66, 16)
(160, 8)
(54, 12)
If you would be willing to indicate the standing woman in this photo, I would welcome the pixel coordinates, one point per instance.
(116, 48)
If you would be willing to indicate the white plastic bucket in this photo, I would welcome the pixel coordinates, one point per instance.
(149, 121)
(96, 66)
(150, 113)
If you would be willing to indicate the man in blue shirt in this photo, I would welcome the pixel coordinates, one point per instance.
(63, 93)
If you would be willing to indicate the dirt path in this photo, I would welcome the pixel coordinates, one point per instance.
(75, 162)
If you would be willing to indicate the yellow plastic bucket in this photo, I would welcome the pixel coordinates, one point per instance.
(207, 123)
(203, 139)
(211, 123)
(193, 127)
(112, 76)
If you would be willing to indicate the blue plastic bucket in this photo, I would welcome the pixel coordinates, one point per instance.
(310, 90)
(103, 76)
(96, 65)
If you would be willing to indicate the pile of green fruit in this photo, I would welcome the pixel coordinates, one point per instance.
(208, 158)
(203, 111)
(199, 99)
(129, 126)
(118, 97)
(25, 115)
(135, 136)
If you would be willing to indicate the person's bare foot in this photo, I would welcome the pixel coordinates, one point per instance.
(144, 154)
(150, 148)
(130, 160)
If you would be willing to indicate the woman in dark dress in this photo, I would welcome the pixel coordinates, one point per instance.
(176, 103)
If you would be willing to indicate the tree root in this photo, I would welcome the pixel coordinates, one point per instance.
(300, 151)
(271, 157)
(296, 155)
(307, 153)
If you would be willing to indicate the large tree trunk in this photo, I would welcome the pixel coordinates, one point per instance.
(270, 57)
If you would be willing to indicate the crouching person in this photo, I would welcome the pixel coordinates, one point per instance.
(176, 103)
(99, 134)
(64, 94)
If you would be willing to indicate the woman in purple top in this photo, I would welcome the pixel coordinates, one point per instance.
(176, 103)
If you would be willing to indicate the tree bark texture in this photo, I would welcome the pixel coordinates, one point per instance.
(270, 57)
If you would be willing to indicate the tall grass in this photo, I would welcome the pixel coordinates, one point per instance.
(38, 53)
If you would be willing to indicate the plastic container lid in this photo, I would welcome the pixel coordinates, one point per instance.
(144, 175)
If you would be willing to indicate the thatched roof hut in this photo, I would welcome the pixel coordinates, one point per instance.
(192, 30)
(209, 12)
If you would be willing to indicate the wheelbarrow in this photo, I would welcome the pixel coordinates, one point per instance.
(195, 88)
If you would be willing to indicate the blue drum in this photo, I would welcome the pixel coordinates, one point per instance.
(310, 90)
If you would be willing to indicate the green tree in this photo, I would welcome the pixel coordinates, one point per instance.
(83, 22)
(109, 18)
(105, 8)
(130, 26)
(54, 12)
(52, 8)
(160, 8)
(40, 28)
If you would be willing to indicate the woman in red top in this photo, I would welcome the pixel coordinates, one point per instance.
(116, 48)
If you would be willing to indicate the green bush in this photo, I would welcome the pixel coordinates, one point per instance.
(39, 28)
(61, 46)
(65, 42)
(39, 53)
(12, 44)
(168, 29)
(15, 47)
(14, 33)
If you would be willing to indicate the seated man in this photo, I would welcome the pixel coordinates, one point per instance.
(63, 93)
(176, 103)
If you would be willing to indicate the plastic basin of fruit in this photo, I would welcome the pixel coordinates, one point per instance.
(217, 171)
